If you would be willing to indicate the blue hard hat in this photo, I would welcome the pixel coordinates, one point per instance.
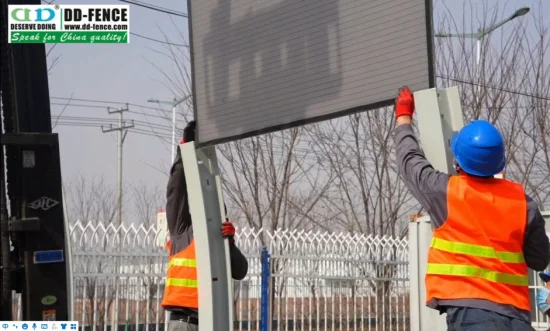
(545, 276)
(478, 149)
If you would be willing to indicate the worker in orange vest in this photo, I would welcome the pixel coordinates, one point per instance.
(487, 231)
(181, 291)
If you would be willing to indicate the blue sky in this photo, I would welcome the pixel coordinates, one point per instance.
(124, 73)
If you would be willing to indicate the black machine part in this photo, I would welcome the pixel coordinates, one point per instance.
(33, 223)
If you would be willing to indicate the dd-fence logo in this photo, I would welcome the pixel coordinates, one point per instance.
(69, 24)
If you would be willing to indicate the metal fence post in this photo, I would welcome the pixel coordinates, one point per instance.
(421, 317)
(265, 290)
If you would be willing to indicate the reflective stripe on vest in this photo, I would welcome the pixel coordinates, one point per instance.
(181, 281)
(181, 262)
(469, 271)
(478, 251)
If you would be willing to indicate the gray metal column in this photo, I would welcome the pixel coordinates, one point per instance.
(439, 116)
(212, 252)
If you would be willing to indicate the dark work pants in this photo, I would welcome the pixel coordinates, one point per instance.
(474, 319)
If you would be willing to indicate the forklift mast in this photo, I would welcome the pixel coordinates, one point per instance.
(33, 240)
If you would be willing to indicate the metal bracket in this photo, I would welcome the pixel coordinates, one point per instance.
(439, 116)
(24, 225)
(29, 138)
(212, 251)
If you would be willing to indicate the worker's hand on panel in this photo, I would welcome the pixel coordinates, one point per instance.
(228, 231)
(404, 103)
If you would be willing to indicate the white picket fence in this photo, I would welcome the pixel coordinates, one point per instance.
(320, 280)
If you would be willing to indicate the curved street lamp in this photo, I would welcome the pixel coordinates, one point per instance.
(481, 33)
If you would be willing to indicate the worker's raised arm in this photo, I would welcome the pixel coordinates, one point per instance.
(536, 248)
(426, 184)
(178, 217)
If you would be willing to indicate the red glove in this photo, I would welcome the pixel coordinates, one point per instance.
(228, 231)
(404, 103)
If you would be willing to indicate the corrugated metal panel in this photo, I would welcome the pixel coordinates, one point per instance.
(263, 65)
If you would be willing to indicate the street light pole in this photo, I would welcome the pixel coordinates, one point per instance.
(173, 131)
(174, 103)
(481, 33)
(478, 36)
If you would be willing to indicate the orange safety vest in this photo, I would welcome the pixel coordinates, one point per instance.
(182, 288)
(477, 253)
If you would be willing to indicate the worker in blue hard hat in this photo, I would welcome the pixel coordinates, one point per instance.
(487, 231)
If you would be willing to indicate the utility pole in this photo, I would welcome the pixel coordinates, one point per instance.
(122, 130)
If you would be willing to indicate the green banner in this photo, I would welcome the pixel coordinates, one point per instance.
(69, 37)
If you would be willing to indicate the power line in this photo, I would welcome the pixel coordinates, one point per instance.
(77, 105)
(148, 130)
(158, 41)
(494, 88)
(109, 102)
(88, 100)
(97, 125)
(105, 107)
(155, 8)
(81, 119)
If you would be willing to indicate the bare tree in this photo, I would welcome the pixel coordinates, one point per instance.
(174, 73)
(367, 197)
(147, 200)
(509, 87)
(274, 180)
(92, 201)
(52, 58)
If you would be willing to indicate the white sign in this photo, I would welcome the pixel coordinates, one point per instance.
(162, 228)
(28, 159)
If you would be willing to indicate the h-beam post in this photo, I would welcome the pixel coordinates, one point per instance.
(212, 252)
(439, 116)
